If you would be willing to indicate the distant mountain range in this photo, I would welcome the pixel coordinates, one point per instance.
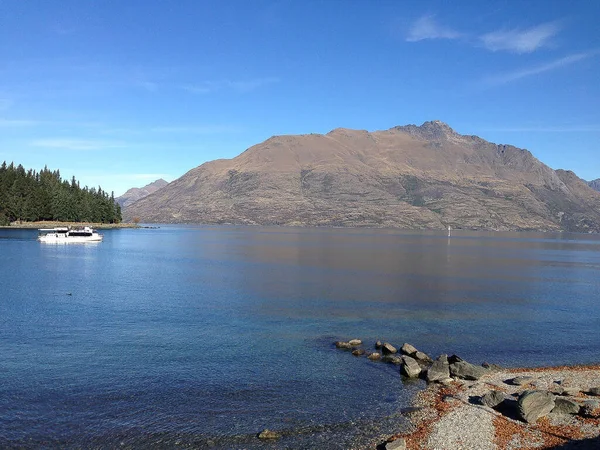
(416, 177)
(134, 194)
(595, 184)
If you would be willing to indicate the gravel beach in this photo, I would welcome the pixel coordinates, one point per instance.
(453, 417)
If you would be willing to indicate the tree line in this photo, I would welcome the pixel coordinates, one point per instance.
(34, 196)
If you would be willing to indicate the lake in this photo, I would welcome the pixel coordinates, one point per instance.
(199, 336)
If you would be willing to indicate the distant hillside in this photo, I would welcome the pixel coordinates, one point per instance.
(595, 184)
(134, 194)
(410, 176)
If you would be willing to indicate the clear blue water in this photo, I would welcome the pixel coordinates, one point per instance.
(203, 336)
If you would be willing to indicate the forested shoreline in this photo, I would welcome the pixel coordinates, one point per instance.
(27, 195)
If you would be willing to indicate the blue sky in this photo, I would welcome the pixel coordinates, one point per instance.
(120, 93)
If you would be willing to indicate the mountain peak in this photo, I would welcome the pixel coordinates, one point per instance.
(430, 130)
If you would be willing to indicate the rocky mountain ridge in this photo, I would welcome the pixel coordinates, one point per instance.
(418, 177)
(595, 184)
(134, 194)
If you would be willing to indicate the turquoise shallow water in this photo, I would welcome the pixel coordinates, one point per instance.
(203, 336)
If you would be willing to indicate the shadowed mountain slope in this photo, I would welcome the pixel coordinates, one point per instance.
(410, 176)
(595, 184)
(134, 194)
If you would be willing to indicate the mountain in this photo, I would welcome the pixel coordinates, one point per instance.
(595, 184)
(416, 177)
(134, 194)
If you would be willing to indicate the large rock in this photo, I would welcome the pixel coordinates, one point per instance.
(410, 367)
(467, 371)
(535, 404)
(374, 356)
(564, 406)
(420, 356)
(520, 381)
(358, 352)
(354, 342)
(408, 349)
(493, 398)
(438, 371)
(388, 349)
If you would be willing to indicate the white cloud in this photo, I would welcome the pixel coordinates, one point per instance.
(207, 87)
(521, 41)
(509, 77)
(427, 28)
(76, 144)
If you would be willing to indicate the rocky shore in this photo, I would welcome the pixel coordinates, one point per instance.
(487, 407)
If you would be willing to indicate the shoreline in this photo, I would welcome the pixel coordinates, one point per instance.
(54, 224)
(452, 415)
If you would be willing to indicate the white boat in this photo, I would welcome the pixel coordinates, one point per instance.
(68, 235)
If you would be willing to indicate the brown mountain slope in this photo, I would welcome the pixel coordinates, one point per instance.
(424, 176)
(134, 194)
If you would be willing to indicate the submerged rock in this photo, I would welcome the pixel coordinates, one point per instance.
(268, 434)
(535, 404)
(392, 359)
(343, 345)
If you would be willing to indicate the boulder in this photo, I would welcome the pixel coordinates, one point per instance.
(571, 391)
(410, 367)
(268, 434)
(354, 342)
(493, 367)
(374, 356)
(398, 444)
(423, 357)
(520, 381)
(438, 371)
(454, 359)
(564, 406)
(388, 348)
(594, 391)
(442, 358)
(392, 359)
(589, 407)
(408, 349)
(535, 404)
(467, 371)
(343, 345)
(378, 344)
(493, 398)
(358, 352)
